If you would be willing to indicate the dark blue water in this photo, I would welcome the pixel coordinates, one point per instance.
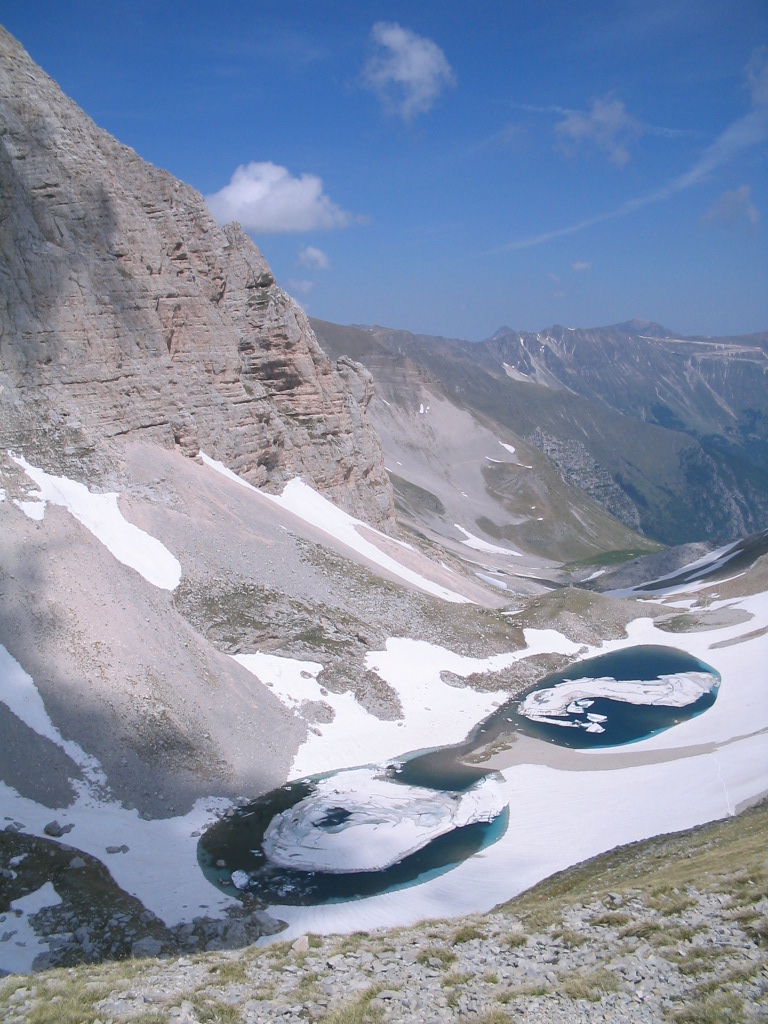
(234, 843)
(625, 722)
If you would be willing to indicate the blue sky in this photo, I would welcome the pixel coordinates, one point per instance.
(449, 167)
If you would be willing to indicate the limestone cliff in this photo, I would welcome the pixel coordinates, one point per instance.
(125, 309)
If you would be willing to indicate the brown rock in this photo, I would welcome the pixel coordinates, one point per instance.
(128, 311)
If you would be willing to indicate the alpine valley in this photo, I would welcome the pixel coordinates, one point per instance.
(309, 630)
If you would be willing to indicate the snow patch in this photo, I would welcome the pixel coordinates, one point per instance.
(293, 681)
(480, 545)
(34, 509)
(20, 695)
(311, 507)
(101, 516)
(19, 944)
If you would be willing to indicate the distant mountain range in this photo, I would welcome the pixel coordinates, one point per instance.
(668, 434)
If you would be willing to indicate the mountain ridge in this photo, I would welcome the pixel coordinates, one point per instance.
(670, 435)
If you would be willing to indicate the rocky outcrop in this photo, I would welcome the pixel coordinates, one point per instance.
(126, 311)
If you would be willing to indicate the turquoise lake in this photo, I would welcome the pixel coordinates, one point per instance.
(626, 706)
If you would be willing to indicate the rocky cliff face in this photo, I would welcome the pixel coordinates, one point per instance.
(125, 310)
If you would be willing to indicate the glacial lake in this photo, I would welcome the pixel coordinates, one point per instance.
(362, 832)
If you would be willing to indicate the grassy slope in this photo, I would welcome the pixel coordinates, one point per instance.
(649, 884)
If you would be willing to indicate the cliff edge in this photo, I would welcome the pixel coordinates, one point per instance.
(126, 312)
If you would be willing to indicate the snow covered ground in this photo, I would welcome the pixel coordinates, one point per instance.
(481, 545)
(100, 515)
(561, 811)
(310, 506)
(559, 816)
(433, 712)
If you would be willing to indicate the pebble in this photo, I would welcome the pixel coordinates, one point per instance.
(421, 975)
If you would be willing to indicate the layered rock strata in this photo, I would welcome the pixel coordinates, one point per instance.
(126, 311)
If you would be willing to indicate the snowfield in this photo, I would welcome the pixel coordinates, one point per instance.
(564, 807)
(311, 507)
(100, 515)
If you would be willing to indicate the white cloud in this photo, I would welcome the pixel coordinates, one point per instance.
(268, 199)
(734, 208)
(740, 136)
(757, 76)
(408, 72)
(607, 126)
(313, 258)
(580, 266)
(300, 286)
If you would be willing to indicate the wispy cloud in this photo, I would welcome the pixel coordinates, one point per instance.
(734, 209)
(591, 122)
(314, 258)
(300, 286)
(745, 133)
(581, 266)
(268, 199)
(756, 75)
(408, 72)
(607, 126)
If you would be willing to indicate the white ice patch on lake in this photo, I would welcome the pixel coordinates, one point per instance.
(509, 447)
(477, 544)
(361, 821)
(101, 516)
(308, 505)
(572, 696)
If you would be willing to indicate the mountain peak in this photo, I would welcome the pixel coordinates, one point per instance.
(117, 282)
(647, 328)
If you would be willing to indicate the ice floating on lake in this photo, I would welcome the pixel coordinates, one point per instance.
(573, 696)
(359, 820)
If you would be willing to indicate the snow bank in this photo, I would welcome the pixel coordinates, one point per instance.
(100, 515)
(308, 505)
(480, 545)
(433, 712)
(20, 695)
(293, 681)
